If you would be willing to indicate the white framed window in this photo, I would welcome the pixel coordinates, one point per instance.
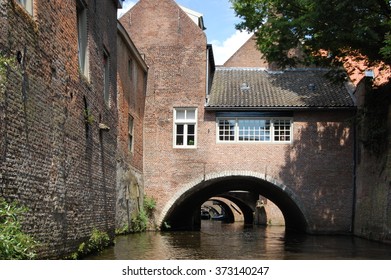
(28, 5)
(106, 77)
(254, 130)
(282, 130)
(130, 133)
(185, 127)
(82, 38)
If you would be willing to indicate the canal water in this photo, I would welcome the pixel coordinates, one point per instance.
(217, 240)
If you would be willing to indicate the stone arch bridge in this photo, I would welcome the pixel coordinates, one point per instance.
(181, 211)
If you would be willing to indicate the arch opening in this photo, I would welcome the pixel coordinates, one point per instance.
(185, 214)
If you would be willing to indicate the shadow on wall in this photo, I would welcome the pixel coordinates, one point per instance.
(319, 167)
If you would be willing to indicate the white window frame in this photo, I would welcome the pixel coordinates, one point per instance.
(82, 38)
(28, 5)
(272, 134)
(185, 122)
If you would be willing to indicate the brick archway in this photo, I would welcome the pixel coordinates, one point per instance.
(180, 212)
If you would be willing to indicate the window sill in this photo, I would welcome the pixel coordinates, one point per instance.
(185, 147)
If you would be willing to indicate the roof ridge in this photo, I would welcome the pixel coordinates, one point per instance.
(241, 68)
(305, 69)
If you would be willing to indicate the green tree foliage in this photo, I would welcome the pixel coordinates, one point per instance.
(14, 243)
(341, 27)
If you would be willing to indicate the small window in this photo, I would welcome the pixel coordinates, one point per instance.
(82, 38)
(185, 127)
(227, 130)
(28, 5)
(282, 130)
(106, 77)
(130, 133)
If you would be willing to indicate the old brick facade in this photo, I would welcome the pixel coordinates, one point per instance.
(131, 80)
(313, 173)
(373, 159)
(55, 158)
(175, 50)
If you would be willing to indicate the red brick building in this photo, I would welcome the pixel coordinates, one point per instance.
(210, 132)
(58, 118)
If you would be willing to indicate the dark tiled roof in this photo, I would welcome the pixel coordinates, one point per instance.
(291, 88)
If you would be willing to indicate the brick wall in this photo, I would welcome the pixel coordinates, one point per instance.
(373, 197)
(317, 166)
(175, 51)
(247, 56)
(132, 72)
(53, 161)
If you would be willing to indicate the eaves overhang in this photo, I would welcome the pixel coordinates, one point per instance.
(272, 108)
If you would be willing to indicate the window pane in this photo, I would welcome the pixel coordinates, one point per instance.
(190, 129)
(179, 140)
(180, 114)
(282, 130)
(130, 142)
(190, 114)
(82, 38)
(190, 140)
(28, 5)
(179, 134)
(227, 130)
(180, 129)
(254, 130)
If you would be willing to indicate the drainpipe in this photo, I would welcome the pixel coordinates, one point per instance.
(354, 176)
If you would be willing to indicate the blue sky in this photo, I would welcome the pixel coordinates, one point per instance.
(219, 20)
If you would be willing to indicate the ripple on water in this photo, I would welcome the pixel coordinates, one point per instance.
(217, 240)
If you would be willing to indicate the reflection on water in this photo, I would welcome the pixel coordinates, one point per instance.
(217, 240)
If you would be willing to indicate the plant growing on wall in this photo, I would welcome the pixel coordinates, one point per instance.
(5, 63)
(88, 117)
(149, 204)
(14, 243)
(139, 222)
(97, 242)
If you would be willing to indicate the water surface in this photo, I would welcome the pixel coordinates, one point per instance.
(218, 240)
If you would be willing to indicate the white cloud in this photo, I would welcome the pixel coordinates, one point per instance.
(224, 50)
(126, 6)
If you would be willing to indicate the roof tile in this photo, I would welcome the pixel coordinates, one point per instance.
(290, 88)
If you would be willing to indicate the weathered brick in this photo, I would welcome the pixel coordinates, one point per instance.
(50, 163)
